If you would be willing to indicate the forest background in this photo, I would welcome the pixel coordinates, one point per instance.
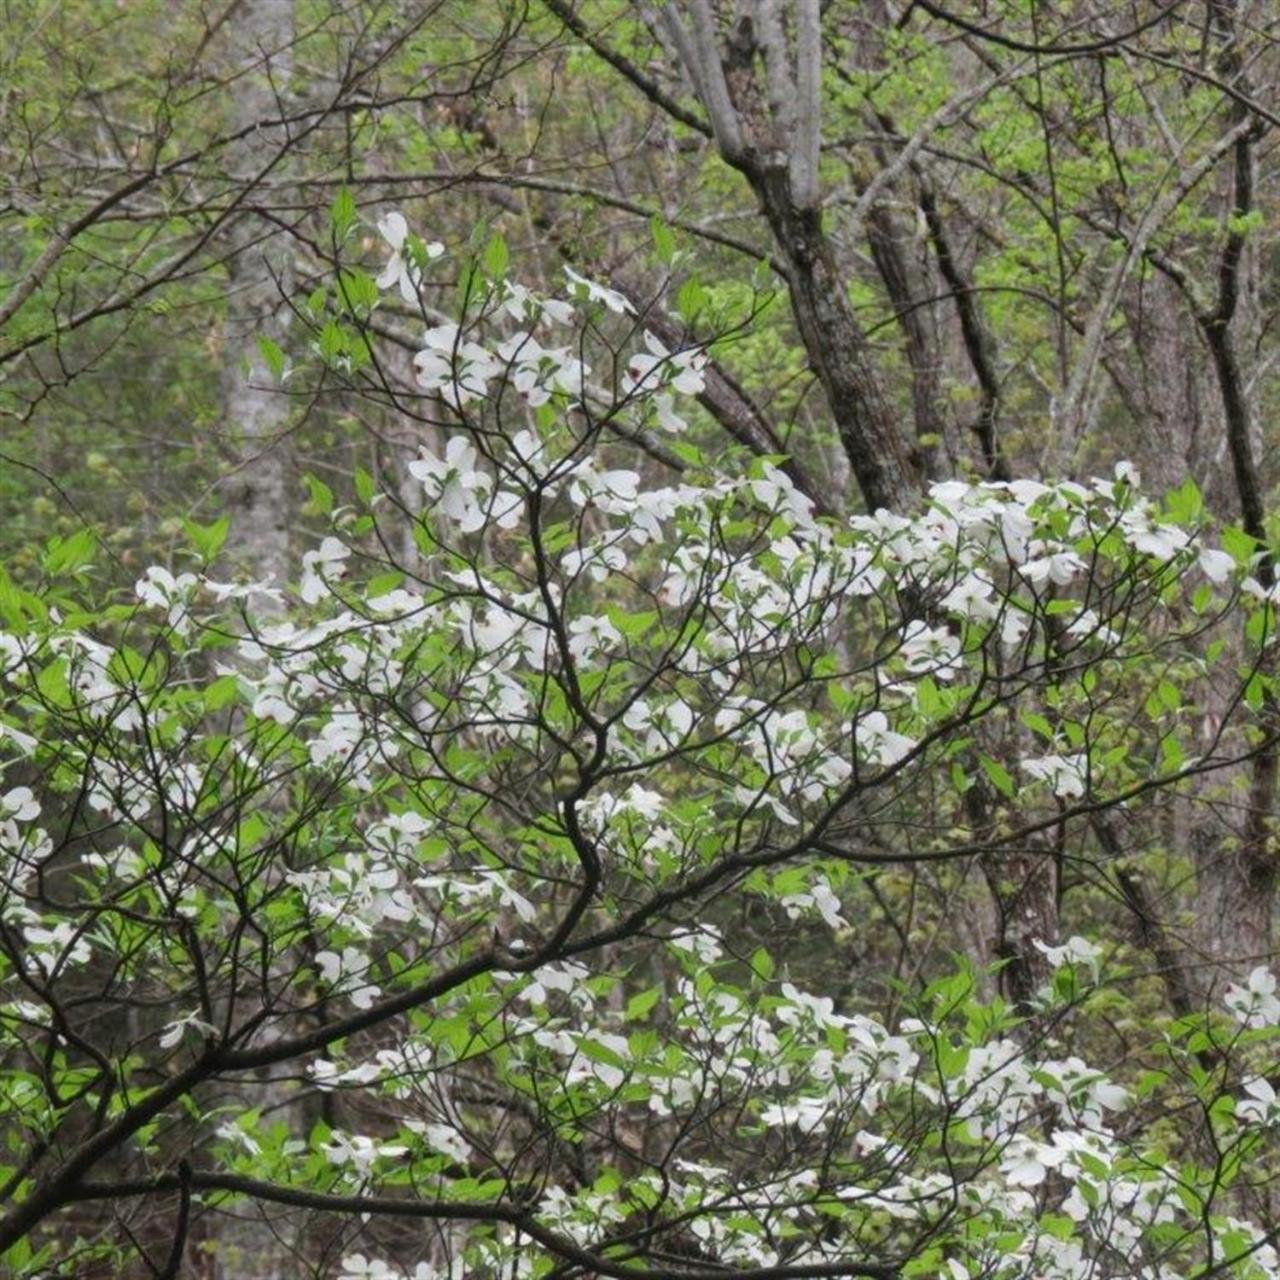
(885, 255)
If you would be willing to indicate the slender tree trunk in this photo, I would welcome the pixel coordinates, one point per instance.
(1240, 874)
(838, 349)
(920, 334)
(256, 419)
(979, 345)
(256, 413)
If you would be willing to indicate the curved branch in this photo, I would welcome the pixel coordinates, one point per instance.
(447, 1210)
(1071, 411)
(626, 68)
(1101, 45)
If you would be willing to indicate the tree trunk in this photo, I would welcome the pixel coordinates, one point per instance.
(920, 334)
(838, 349)
(248, 1247)
(256, 413)
(1241, 875)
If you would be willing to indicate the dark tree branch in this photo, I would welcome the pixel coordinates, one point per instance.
(978, 343)
(455, 1211)
(1050, 47)
(626, 68)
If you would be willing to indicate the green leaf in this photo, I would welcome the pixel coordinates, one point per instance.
(929, 698)
(469, 283)
(221, 692)
(664, 243)
(762, 964)
(1254, 692)
(1257, 626)
(1000, 777)
(1185, 504)
(11, 602)
(691, 299)
(1038, 725)
(342, 214)
(52, 683)
(598, 1052)
(271, 355)
(127, 666)
(365, 488)
(208, 538)
(17, 1256)
(496, 256)
(332, 340)
(70, 554)
(320, 496)
(1240, 546)
(423, 538)
(632, 625)
(640, 1005)
(383, 583)
(358, 292)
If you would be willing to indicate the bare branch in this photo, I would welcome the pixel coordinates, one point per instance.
(806, 149)
(708, 73)
(624, 66)
(777, 65)
(461, 1211)
(1101, 45)
(1071, 413)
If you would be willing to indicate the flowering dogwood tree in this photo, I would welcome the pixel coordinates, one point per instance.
(449, 847)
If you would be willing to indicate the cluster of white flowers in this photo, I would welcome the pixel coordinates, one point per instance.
(358, 1152)
(460, 369)
(401, 270)
(1075, 950)
(174, 1032)
(460, 489)
(346, 970)
(672, 706)
(1255, 1003)
(357, 1266)
(160, 589)
(1065, 775)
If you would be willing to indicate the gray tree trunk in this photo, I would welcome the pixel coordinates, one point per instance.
(256, 418)
(256, 413)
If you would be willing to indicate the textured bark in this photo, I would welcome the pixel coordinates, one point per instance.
(978, 343)
(838, 348)
(1151, 931)
(777, 150)
(1074, 411)
(256, 419)
(919, 322)
(1242, 875)
(256, 413)
(1025, 886)
(1165, 390)
(920, 335)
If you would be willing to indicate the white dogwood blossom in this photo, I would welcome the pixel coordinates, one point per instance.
(400, 270)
